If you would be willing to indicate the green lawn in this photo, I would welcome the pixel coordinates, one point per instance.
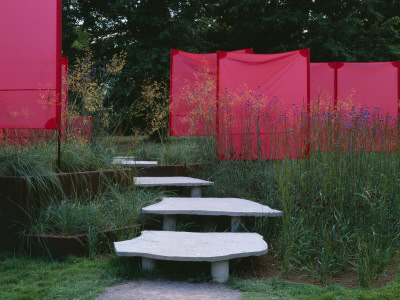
(279, 289)
(22, 277)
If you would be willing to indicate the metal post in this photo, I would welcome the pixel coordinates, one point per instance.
(58, 79)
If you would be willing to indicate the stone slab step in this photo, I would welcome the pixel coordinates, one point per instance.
(194, 183)
(170, 181)
(210, 207)
(215, 247)
(134, 163)
(125, 157)
(233, 207)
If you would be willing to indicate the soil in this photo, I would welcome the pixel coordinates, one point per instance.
(267, 267)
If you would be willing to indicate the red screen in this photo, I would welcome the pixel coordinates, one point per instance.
(28, 63)
(262, 103)
(193, 93)
(370, 85)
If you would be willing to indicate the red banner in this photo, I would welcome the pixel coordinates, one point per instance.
(354, 106)
(263, 101)
(193, 93)
(29, 58)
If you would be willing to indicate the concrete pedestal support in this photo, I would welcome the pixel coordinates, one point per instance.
(169, 223)
(220, 271)
(235, 223)
(195, 192)
(209, 224)
(148, 264)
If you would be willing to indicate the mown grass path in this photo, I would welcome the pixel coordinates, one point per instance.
(22, 277)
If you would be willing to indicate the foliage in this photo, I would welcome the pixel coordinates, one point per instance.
(147, 30)
(34, 163)
(40, 160)
(175, 151)
(279, 289)
(89, 84)
(76, 278)
(339, 209)
(86, 157)
(153, 109)
(338, 201)
(116, 208)
(24, 277)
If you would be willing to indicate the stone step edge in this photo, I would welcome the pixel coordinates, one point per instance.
(219, 263)
(169, 181)
(210, 258)
(204, 212)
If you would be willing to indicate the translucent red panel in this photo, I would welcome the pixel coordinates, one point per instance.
(262, 103)
(28, 109)
(30, 136)
(373, 86)
(193, 93)
(368, 95)
(28, 63)
(79, 129)
(64, 84)
(365, 110)
(322, 94)
(322, 85)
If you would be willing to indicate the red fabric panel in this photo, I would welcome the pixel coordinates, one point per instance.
(322, 86)
(369, 85)
(64, 89)
(28, 63)
(30, 136)
(368, 99)
(262, 103)
(64, 93)
(80, 129)
(193, 92)
(322, 90)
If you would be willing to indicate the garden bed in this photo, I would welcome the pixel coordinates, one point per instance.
(79, 245)
(18, 194)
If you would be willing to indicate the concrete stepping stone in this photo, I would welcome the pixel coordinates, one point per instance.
(234, 207)
(124, 157)
(131, 162)
(195, 183)
(215, 247)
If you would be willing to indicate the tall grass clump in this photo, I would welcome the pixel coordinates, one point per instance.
(37, 164)
(40, 160)
(176, 150)
(332, 170)
(86, 157)
(117, 207)
(116, 210)
(90, 83)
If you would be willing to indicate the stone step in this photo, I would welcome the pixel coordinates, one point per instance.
(125, 157)
(215, 247)
(173, 181)
(131, 162)
(233, 207)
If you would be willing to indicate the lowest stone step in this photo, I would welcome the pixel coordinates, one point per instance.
(215, 247)
(234, 207)
(195, 183)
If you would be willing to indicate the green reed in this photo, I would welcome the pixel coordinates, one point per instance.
(339, 200)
